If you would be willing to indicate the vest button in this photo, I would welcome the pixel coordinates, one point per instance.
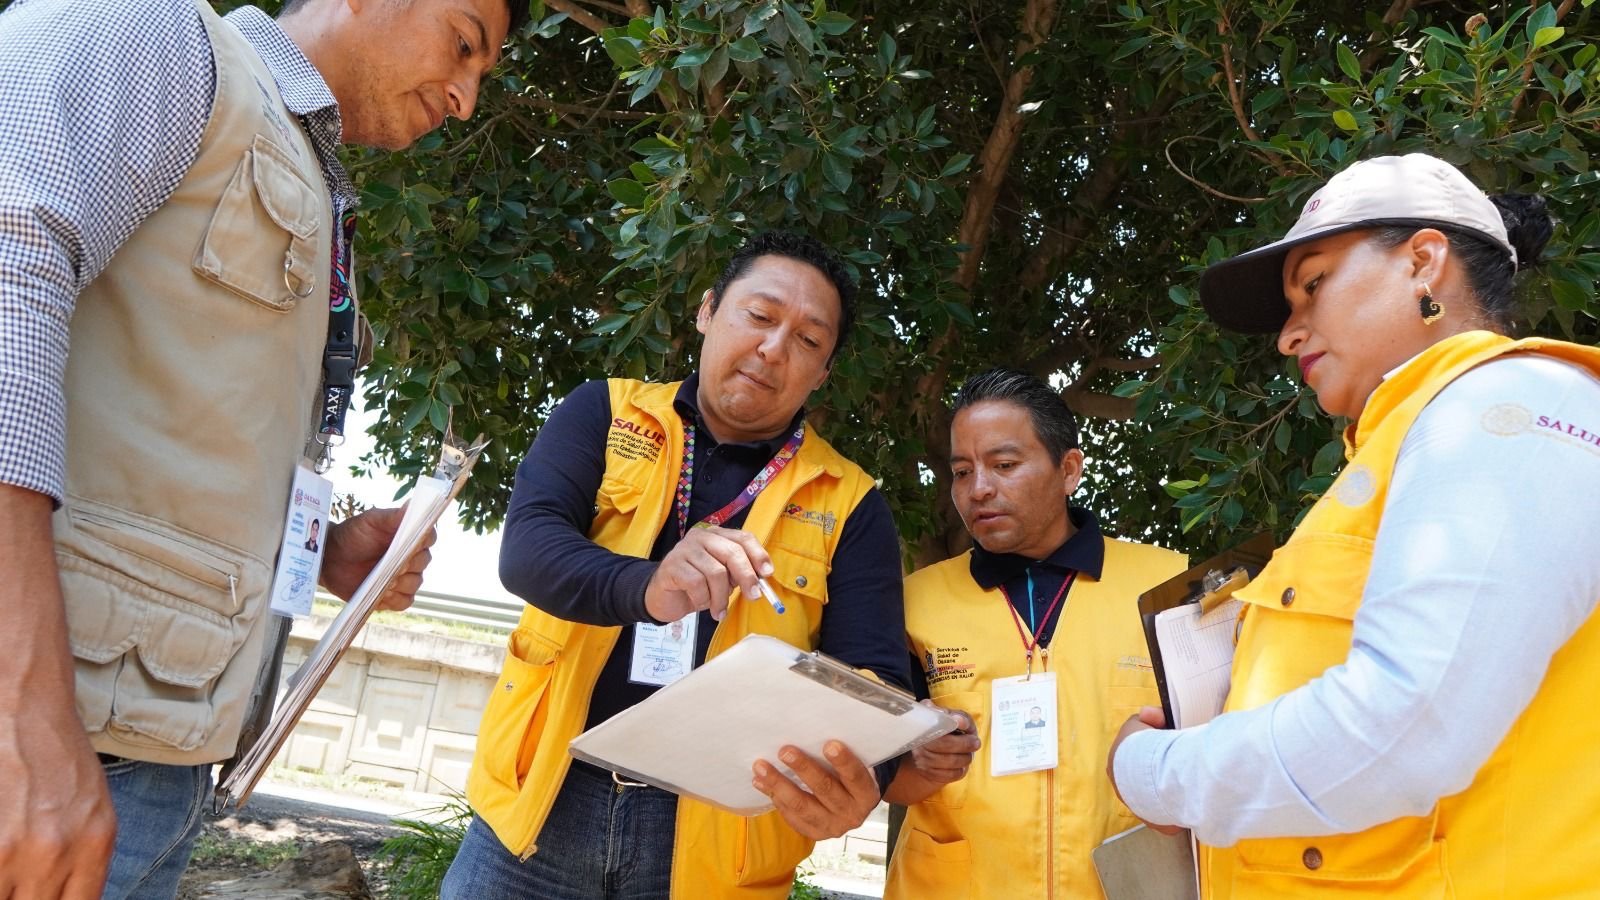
(799, 581)
(1312, 858)
(1288, 596)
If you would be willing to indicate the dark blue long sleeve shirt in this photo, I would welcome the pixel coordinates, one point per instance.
(547, 559)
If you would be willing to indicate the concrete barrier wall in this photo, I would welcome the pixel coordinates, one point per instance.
(401, 708)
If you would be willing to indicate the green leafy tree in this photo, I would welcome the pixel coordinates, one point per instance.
(1030, 182)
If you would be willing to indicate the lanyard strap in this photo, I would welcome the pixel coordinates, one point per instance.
(1016, 618)
(339, 354)
(746, 496)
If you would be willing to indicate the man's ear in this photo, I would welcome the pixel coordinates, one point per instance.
(702, 318)
(1072, 469)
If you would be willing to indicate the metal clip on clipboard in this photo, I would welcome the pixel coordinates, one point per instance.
(1216, 587)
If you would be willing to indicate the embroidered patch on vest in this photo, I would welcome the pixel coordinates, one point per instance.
(269, 111)
(633, 441)
(1506, 419)
(827, 521)
(1355, 487)
(942, 664)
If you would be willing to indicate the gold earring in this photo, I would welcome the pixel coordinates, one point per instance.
(1431, 311)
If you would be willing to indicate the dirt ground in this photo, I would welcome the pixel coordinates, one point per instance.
(271, 829)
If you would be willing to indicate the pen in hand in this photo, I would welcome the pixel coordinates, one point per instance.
(770, 594)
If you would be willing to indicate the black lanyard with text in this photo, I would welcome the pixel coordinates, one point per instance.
(340, 353)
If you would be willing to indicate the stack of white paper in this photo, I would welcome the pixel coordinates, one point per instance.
(1197, 650)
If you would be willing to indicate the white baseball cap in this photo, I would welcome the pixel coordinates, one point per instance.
(1245, 293)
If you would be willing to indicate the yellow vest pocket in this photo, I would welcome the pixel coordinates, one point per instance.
(515, 715)
(933, 869)
(1398, 858)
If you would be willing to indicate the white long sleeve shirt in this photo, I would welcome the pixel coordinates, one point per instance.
(1486, 562)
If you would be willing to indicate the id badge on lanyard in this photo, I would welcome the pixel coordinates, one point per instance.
(305, 526)
(1024, 734)
(663, 653)
(305, 532)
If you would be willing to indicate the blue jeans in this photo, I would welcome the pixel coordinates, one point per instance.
(601, 842)
(158, 817)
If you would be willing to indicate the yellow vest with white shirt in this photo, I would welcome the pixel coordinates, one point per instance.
(541, 700)
(1027, 835)
(1525, 826)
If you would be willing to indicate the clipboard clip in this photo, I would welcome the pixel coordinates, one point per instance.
(456, 455)
(1218, 586)
(833, 674)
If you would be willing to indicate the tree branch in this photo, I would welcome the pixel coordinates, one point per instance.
(578, 14)
(1375, 47)
(576, 109)
(1038, 19)
(1527, 69)
(1236, 100)
(1096, 405)
(1092, 196)
(1197, 182)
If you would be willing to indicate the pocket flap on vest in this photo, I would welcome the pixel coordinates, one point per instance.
(131, 581)
(1317, 574)
(284, 194)
(1379, 854)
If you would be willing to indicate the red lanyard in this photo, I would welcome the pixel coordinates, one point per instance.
(1029, 646)
(746, 496)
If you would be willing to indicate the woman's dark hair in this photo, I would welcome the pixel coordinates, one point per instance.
(1053, 421)
(1489, 270)
(802, 248)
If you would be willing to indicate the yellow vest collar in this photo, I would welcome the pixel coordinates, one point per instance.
(1421, 369)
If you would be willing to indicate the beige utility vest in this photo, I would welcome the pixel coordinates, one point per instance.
(191, 390)
(1027, 835)
(1525, 827)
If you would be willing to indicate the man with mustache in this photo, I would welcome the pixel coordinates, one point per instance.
(641, 507)
(173, 207)
(1039, 616)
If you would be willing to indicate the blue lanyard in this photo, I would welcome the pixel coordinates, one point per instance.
(1033, 627)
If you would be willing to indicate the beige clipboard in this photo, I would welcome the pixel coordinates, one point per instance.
(700, 736)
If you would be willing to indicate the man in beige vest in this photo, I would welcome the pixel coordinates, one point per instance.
(172, 207)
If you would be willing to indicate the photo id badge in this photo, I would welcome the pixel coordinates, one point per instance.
(305, 529)
(663, 653)
(1023, 732)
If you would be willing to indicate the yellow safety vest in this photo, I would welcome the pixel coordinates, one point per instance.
(1027, 835)
(542, 698)
(1525, 827)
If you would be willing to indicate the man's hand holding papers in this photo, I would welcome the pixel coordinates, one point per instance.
(944, 760)
(838, 800)
(355, 546)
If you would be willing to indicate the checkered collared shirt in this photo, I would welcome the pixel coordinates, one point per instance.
(102, 108)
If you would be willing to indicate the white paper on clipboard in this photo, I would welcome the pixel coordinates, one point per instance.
(700, 736)
(425, 505)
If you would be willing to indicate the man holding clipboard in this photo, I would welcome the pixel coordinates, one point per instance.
(638, 511)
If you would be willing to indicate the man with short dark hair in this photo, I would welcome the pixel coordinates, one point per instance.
(639, 509)
(172, 205)
(1033, 639)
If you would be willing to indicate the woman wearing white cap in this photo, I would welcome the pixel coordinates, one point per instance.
(1412, 705)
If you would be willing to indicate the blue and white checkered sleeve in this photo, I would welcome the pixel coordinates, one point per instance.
(102, 108)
